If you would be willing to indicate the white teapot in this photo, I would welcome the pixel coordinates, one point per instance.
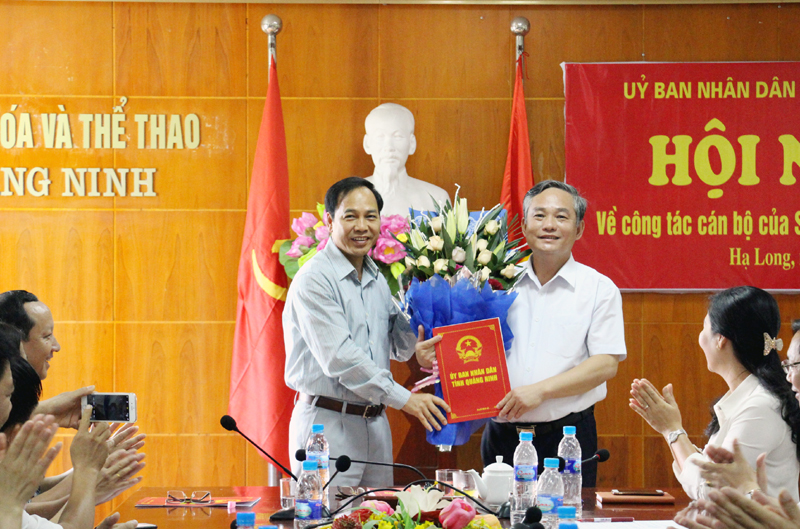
(495, 485)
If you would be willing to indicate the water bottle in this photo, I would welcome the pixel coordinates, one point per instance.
(245, 520)
(566, 516)
(526, 463)
(317, 449)
(550, 494)
(308, 502)
(569, 449)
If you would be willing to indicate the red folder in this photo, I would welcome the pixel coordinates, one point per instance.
(472, 368)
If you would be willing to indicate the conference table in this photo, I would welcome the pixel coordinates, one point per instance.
(218, 517)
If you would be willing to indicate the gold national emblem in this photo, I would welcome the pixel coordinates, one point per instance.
(469, 349)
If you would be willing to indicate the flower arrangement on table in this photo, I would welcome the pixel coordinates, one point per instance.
(461, 268)
(418, 508)
(313, 235)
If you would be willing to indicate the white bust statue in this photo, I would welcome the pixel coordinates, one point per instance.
(390, 140)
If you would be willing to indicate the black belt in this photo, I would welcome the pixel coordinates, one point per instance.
(368, 412)
(546, 428)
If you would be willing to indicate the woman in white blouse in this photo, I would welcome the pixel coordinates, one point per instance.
(759, 409)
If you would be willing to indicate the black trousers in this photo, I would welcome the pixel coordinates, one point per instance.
(501, 439)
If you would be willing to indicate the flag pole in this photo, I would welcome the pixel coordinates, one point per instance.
(520, 27)
(272, 25)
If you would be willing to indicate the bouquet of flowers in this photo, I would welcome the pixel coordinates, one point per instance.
(417, 508)
(312, 236)
(461, 268)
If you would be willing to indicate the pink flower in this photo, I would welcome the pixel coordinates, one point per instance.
(322, 244)
(303, 223)
(393, 224)
(387, 250)
(300, 246)
(380, 506)
(457, 515)
(322, 233)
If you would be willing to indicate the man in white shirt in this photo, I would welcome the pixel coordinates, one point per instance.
(568, 335)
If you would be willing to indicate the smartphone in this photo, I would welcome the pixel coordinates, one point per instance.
(637, 492)
(111, 407)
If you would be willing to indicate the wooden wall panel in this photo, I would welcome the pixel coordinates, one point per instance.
(613, 414)
(180, 49)
(56, 47)
(464, 143)
(194, 358)
(546, 134)
(626, 463)
(721, 33)
(56, 159)
(454, 54)
(189, 261)
(86, 358)
(64, 257)
(589, 34)
(324, 51)
(672, 355)
(194, 460)
(335, 129)
(213, 176)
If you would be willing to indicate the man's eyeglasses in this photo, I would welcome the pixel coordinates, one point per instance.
(788, 368)
(198, 497)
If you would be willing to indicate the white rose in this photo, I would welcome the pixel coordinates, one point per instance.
(436, 224)
(481, 245)
(435, 243)
(423, 262)
(509, 271)
(485, 272)
(485, 257)
(491, 227)
(439, 265)
(459, 255)
(409, 262)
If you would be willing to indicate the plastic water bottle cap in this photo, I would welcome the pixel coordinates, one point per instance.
(569, 430)
(550, 462)
(526, 436)
(317, 428)
(245, 518)
(267, 527)
(566, 512)
(567, 525)
(312, 465)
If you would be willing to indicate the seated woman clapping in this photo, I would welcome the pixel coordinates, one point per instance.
(759, 409)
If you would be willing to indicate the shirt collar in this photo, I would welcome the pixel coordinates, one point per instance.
(734, 400)
(342, 267)
(568, 272)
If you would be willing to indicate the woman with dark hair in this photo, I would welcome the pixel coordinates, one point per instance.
(27, 391)
(27, 384)
(759, 411)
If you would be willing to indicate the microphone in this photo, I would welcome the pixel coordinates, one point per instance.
(531, 521)
(300, 455)
(229, 423)
(342, 465)
(601, 456)
(532, 515)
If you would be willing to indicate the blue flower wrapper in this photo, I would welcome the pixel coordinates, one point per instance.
(434, 303)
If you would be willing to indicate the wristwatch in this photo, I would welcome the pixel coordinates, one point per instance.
(673, 435)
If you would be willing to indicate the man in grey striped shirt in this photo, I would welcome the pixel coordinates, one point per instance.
(341, 329)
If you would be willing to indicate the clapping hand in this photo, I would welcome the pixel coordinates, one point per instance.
(660, 411)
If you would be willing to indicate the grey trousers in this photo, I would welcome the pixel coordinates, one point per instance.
(351, 435)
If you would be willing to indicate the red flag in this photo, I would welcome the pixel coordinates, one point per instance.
(259, 399)
(518, 176)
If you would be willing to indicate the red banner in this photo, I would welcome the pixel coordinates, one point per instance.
(690, 172)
